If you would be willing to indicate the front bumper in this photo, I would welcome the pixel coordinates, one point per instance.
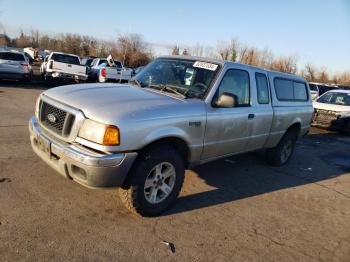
(329, 120)
(86, 167)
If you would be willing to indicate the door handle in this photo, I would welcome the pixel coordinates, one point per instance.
(251, 116)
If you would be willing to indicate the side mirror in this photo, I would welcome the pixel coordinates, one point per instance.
(226, 100)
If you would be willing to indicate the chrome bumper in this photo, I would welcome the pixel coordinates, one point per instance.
(83, 166)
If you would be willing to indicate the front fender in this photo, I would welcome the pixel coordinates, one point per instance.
(164, 133)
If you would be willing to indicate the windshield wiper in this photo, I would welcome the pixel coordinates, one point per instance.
(168, 88)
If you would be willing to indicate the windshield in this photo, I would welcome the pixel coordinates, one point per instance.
(190, 78)
(335, 98)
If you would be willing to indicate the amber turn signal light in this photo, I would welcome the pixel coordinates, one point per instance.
(112, 136)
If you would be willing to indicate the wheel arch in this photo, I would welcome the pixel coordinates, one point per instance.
(179, 144)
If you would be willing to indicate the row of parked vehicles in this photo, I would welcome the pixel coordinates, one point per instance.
(59, 66)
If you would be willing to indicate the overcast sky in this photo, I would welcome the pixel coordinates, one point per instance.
(317, 31)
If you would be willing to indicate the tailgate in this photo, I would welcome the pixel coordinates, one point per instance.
(116, 73)
(112, 73)
(69, 68)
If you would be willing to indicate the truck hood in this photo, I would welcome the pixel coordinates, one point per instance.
(331, 107)
(115, 103)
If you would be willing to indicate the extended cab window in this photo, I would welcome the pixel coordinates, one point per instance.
(290, 90)
(236, 82)
(299, 91)
(262, 88)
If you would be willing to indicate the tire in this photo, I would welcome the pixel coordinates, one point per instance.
(48, 79)
(151, 200)
(280, 155)
(27, 79)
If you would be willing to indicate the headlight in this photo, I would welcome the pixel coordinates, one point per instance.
(100, 133)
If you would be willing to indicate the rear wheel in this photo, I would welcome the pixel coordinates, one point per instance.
(48, 79)
(155, 181)
(281, 154)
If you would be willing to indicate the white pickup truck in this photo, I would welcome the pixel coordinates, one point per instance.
(106, 70)
(61, 66)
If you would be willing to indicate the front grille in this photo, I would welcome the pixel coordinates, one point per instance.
(56, 119)
(324, 117)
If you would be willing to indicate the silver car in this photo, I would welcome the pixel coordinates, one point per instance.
(176, 113)
(14, 65)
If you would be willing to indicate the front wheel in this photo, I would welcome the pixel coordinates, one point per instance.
(280, 155)
(155, 181)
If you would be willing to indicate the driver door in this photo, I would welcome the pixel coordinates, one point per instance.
(228, 130)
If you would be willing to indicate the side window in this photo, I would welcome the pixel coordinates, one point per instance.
(299, 91)
(290, 90)
(284, 89)
(262, 88)
(236, 82)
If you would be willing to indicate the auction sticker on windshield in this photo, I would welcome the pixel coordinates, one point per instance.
(205, 65)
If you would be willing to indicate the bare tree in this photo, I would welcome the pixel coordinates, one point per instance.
(242, 56)
(228, 50)
(5, 40)
(323, 76)
(197, 50)
(185, 52)
(285, 64)
(344, 78)
(310, 73)
(175, 50)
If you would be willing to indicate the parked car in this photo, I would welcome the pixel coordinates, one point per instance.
(332, 111)
(15, 65)
(61, 66)
(318, 89)
(142, 136)
(106, 70)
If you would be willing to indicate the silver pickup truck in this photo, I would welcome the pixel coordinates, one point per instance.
(176, 113)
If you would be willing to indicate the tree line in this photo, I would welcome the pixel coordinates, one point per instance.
(236, 51)
(131, 48)
(134, 51)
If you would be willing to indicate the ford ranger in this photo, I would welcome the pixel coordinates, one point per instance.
(176, 113)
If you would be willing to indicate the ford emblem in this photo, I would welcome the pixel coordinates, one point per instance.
(52, 118)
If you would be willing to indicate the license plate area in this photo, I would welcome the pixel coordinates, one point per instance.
(44, 145)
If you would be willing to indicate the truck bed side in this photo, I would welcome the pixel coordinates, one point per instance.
(288, 113)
